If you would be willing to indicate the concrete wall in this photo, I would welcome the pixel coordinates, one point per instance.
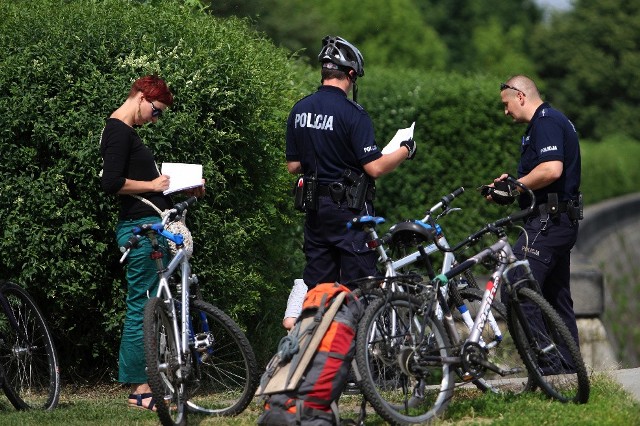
(598, 243)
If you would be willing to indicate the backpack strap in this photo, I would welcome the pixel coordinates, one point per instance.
(297, 335)
(309, 350)
(334, 410)
(301, 408)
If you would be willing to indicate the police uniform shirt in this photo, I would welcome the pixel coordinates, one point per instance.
(551, 136)
(328, 133)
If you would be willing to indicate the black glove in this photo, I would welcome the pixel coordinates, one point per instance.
(412, 146)
(501, 192)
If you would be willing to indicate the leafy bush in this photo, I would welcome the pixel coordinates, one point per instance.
(463, 139)
(609, 168)
(65, 66)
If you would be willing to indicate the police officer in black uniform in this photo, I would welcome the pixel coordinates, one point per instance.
(330, 140)
(550, 166)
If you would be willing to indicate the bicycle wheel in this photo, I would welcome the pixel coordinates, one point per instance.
(164, 369)
(469, 279)
(404, 378)
(226, 371)
(27, 354)
(547, 347)
(498, 346)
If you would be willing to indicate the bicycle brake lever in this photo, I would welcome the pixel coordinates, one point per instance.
(447, 211)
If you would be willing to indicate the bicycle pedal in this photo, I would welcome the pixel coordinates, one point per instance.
(514, 370)
(467, 377)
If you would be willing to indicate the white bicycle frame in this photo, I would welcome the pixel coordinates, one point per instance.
(507, 261)
(392, 266)
(180, 260)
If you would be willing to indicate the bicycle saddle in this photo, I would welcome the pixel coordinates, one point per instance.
(411, 233)
(360, 222)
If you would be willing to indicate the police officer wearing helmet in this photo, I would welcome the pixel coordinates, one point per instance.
(550, 165)
(330, 140)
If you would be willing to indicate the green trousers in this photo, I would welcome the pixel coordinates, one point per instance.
(142, 283)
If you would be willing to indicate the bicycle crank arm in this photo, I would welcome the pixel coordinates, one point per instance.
(489, 366)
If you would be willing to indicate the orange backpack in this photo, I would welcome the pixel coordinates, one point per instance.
(305, 378)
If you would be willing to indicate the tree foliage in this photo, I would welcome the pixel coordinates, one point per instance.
(584, 59)
(589, 59)
(427, 35)
(463, 25)
(391, 33)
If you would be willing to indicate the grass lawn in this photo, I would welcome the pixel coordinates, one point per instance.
(608, 405)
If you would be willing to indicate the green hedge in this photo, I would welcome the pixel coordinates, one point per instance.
(463, 139)
(609, 168)
(65, 66)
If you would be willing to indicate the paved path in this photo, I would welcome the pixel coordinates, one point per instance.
(630, 380)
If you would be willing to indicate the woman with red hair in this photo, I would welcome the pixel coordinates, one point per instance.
(130, 172)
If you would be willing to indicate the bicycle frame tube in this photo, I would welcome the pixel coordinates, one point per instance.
(164, 292)
(449, 260)
(507, 257)
(411, 258)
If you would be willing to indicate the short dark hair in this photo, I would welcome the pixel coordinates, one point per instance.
(328, 74)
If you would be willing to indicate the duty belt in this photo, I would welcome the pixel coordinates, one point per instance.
(326, 191)
(544, 209)
(323, 191)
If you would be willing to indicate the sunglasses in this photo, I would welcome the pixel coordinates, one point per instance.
(155, 112)
(504, 86)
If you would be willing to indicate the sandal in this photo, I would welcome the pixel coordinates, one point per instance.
(139, 397)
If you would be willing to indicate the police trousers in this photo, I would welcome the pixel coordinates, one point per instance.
(334, 253)
(547, 242)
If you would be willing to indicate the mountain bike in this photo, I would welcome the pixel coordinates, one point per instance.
(29, 370)
(429, 357)
(375, 355)
(198, 359)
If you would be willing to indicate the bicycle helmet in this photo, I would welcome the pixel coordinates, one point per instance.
(411, 233)
(340, 52)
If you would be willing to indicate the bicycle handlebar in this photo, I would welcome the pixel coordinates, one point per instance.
(449, 198)
(139, 231)
(496, 227)
(179, 208)
(443, 203)
(131, 243)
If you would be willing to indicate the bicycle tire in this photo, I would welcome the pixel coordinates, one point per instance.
(471, 280)
(504, 354)
(388, 386)
(28, 356)
(366, 298)
(560, 374)
(226, 370)
(164, 370)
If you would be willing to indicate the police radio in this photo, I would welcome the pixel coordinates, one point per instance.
(305, 193)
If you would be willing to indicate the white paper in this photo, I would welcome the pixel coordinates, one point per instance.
(400, 136)
(182, 176)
